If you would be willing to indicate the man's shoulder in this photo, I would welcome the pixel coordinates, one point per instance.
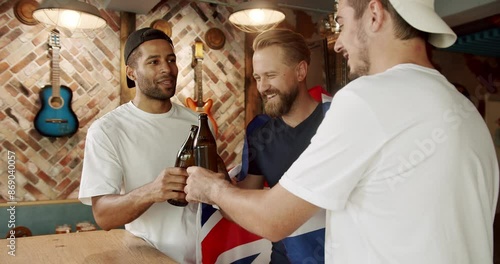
(112, 118)
(257, 123)
(183, 111)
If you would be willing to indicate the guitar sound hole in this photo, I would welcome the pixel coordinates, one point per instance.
(56, 102)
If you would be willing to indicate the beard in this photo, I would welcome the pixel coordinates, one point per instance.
(151, 89)
(364, 62)
(281, 106)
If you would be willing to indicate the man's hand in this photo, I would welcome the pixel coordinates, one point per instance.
(114, 210)
(169, 185)
(203, 185)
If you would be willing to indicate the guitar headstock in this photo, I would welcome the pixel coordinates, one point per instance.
(54, 39)
(197, 53)
(198, 50)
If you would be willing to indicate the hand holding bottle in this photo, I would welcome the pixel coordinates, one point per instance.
(169, 185)
(185, 158)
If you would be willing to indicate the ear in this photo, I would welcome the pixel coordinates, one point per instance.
(301, 70)
(376, 13)
(130, 72)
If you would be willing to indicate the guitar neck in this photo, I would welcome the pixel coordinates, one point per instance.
(199, 80)
(56, 84)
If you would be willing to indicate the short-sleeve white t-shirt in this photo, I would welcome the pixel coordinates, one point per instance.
(406, 169)
(128, 148)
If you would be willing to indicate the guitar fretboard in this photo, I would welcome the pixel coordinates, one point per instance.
(56, 84)
(198, 76)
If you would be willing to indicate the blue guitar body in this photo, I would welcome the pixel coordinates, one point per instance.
(56, 118)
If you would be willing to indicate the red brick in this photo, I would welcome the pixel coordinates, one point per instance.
(35, 192)
(32, 143)
(2, 116)
(75, 162)
(58, 156)
(3, 66)
(23, 63)
(211, 75)
(21, 168)
(69, 190)
(42, 60)
(104, 49)
(19, 155)
(6, 5)
(42, 175)
(89, 117)
(20, 144)
(39, 39)
(27, 104)
(11, 90)
(108, 65)
(62, 185)
(66, 159)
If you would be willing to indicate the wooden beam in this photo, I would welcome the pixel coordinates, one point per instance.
(127, 26)
(253, 101)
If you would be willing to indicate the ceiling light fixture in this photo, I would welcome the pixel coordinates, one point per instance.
(256, 16)
(72, 15)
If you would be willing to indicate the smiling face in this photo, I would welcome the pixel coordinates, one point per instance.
(155, 69)
(276, 81)
(352, 41)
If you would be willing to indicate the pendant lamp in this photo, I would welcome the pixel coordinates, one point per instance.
(256, 16)
(71, 16)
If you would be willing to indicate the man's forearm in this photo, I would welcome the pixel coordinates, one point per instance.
(273, 214)
(115, 210)
(264, 212)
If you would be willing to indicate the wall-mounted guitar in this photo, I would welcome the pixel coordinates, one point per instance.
(199, 105)
(55, 117)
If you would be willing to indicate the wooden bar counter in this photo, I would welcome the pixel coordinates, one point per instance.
(106, 247)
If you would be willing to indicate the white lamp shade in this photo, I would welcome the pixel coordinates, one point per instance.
(69, 14)
(256, 16)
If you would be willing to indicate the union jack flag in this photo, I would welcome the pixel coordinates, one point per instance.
(224, 242)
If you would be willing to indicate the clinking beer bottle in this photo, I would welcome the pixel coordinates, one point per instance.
(205, 147)
(185, 158)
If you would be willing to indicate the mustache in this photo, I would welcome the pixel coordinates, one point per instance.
(166, 77)
(270, 91)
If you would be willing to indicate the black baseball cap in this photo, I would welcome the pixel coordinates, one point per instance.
(136, 38)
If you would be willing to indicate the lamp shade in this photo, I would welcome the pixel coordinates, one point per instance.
(256, 16)
(70, 14)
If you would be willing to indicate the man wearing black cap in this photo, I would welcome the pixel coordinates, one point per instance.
(130, 152)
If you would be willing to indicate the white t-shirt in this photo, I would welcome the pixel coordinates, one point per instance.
(406, 169)
(127, 148)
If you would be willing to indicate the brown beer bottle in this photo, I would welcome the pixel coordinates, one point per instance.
(205, 147)
(185, 158)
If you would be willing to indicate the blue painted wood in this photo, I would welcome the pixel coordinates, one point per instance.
(483, 43)
(42, 219)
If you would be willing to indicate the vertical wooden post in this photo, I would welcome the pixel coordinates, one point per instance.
(253, 101)
(127, 26)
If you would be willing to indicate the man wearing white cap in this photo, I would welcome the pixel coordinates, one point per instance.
(405, 165)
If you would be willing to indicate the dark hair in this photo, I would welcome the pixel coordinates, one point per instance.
(402, 29)
(132, 59)
(292, 43)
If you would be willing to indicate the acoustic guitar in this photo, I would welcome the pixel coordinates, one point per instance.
(56, 117)
(199, 105)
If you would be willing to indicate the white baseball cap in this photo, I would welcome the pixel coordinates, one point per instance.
(420, 14)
